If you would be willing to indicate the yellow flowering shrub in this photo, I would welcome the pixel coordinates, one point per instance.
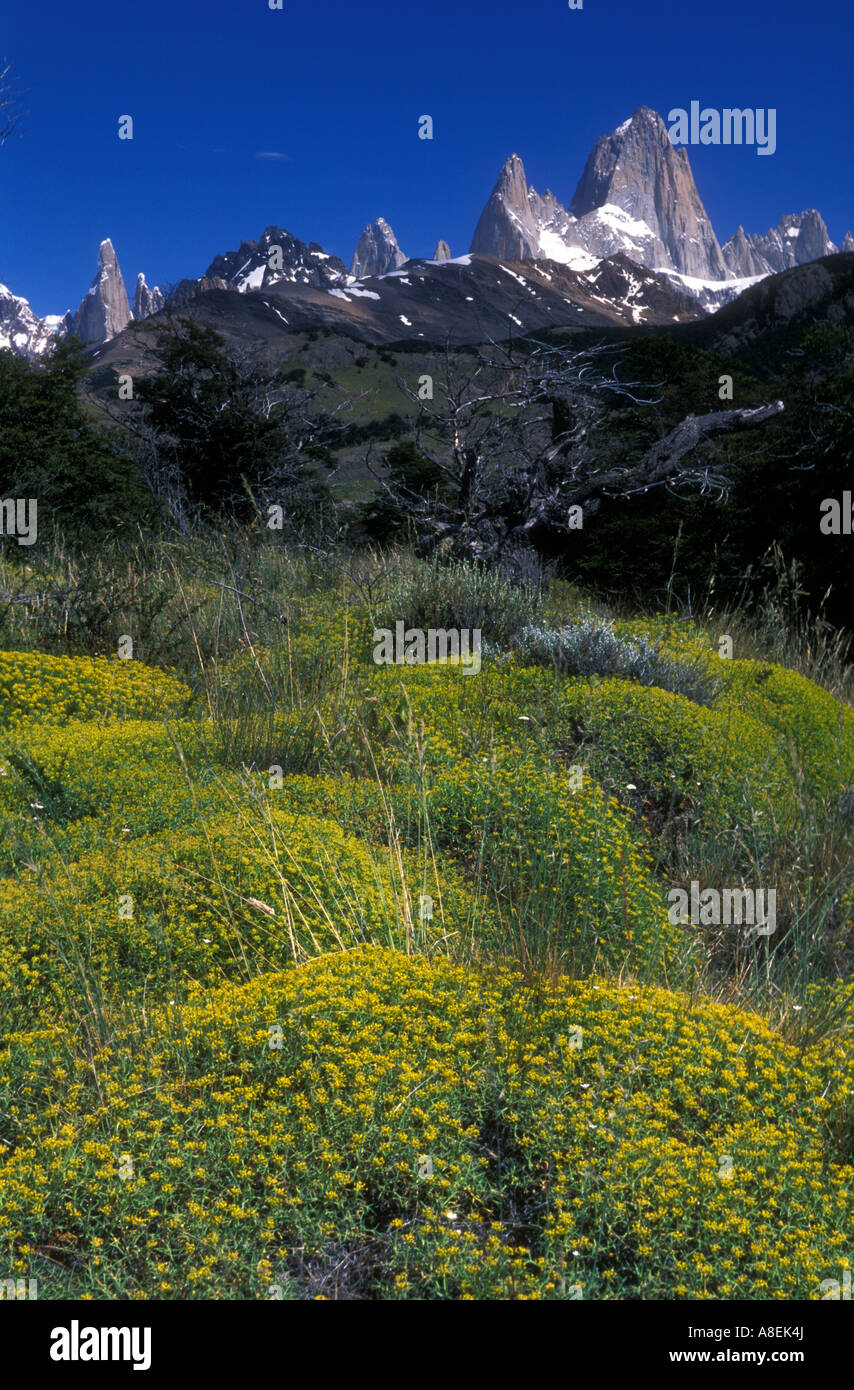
(188, 908)
(813, 727)
(36, 687)
(82, 779)
(565, 841)
(460, 1133)
(668, 745)
(240, 1058)
(814, 730)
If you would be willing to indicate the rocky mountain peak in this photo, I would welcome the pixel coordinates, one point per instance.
(146, 300)
(23, 332)
(105, 310)
(797, 239)
(442, 252)
(637, 170)
(276, 256)
(512, 184)
(377, 251)
(507, 226)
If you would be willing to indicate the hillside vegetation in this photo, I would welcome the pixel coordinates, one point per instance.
(323, 978)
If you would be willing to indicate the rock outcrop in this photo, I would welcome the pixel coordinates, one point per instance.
(797, 239)
(147, 300)
(23, 332)
(638, 170)
(507, 227)
(742, 257)
(188, 290)
(636, 197)
(277, 256)
(442, 252)
(377, 251)
(105, 310)
(818, 291)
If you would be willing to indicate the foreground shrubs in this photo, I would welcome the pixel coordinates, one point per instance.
(669, 748)
(591, 647)
(35, 687)
(815, 730)
(367, 1125)
(164, 915)
(564, 858)
(237, 1059)
(428, 594)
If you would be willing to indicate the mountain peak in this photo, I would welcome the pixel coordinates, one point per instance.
(23, 332)
(146, 300)
(277, 256)
(377, 251)
(646, 114)
(512, 173)
(637, 170)
(507, 225)
(798, 237)
(105, 310)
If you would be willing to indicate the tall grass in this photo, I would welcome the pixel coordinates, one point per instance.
(196, 602)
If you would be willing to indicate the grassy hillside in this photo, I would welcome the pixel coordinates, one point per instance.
(323, 978)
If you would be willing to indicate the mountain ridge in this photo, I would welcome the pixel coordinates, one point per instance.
(635, 198)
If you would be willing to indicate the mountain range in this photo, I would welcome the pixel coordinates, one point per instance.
(634, 245)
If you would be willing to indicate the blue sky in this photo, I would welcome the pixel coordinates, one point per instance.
(335, 92)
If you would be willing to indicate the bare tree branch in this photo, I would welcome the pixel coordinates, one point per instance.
(663, 459)
(516, 437)
(10, 116)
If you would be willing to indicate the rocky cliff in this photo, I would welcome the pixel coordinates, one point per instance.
(797, 239)
(105, 310)
(147, 300)
(377, 251)
(638, 170)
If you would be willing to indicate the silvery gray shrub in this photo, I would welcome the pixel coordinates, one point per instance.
(591, 647)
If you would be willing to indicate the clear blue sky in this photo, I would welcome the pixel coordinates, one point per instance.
(336, 90)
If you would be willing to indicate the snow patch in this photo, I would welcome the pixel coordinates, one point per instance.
(554, 248)
(252, 281)
(710, 294)
(275, 311)
(520, 278)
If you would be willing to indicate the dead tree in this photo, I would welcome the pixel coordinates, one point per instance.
(513, 438)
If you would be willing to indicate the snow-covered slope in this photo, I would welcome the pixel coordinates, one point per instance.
(24, 332)
(277, 257)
